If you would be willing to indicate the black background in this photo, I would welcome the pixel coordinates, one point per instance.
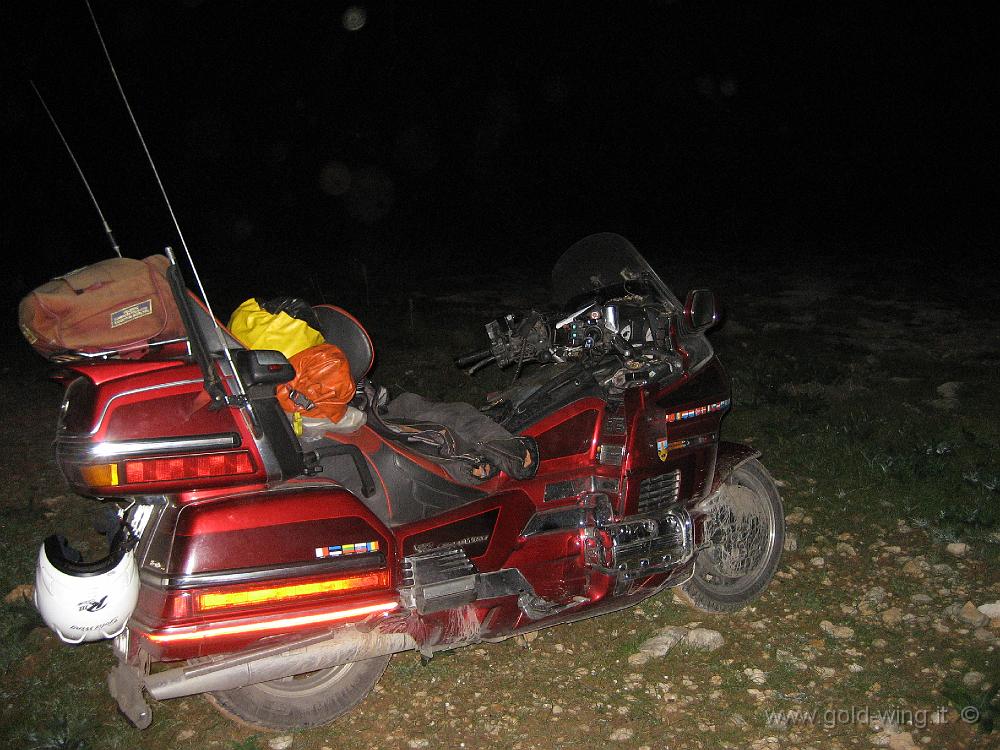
(486, 137)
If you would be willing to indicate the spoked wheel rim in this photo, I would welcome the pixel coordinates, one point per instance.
(742, 526)
(306, 683)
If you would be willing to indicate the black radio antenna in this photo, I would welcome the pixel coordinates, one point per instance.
(79, 171)
(241, 391)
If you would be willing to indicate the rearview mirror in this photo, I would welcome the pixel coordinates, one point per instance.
(700, 312)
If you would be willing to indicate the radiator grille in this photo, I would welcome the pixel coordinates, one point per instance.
(660, 491)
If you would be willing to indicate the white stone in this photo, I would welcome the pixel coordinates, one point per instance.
(756, 676)
(968, 613)
(791, 543)
(958, 549)
(990, 609)
(703, 638)
(949, 389)
(841, 632)
(973, 679)
(875, 595)
(281, 742)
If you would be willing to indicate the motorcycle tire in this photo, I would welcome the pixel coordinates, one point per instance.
(746, 520)
(305, 700)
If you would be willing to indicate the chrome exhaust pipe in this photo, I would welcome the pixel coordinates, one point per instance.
(276, 662)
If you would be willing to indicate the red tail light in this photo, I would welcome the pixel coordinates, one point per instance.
(188, 467)
(197, 467)
(260, 595)
(181, 606)
(261, 608)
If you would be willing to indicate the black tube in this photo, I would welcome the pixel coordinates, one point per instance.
(482, 364)
(196, 340)
(468, 359)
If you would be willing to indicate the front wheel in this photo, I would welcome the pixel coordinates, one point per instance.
(746, 523)
(304, 700)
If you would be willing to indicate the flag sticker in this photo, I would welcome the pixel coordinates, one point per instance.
(698, 411)
(132, 312)
(339, 550)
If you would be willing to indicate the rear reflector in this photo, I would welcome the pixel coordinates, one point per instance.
(282, 624)
(187, 467)
(249, 597)
(103, 475)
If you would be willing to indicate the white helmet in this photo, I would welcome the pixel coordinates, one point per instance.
(86, 601)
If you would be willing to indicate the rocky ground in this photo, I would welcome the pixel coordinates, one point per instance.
(878, 416)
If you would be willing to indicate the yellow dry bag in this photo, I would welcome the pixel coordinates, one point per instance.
(259, 329)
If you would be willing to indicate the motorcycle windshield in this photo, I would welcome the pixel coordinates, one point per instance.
(602, 265)
(607, 265)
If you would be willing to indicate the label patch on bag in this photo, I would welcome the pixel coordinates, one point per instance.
(29, 334)
(132, 312)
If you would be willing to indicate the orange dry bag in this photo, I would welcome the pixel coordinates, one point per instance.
(322, 386)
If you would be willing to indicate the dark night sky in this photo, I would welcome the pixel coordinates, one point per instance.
(440, 137)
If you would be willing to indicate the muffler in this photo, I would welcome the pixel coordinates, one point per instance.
(263, 665)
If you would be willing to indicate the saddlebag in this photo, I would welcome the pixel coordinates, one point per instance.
(117, 305)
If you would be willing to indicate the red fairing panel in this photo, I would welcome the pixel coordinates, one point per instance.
(678, 430)
(150, 400)
(115, 369)
(272, 527)
(228, 546)
(499, 518)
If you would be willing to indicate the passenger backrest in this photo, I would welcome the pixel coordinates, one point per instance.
(341, 328)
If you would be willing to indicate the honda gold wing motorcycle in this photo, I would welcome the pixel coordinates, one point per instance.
(279, 574)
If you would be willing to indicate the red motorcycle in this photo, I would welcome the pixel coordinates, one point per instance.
(281, 575)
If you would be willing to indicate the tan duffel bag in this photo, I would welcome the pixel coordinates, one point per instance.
(121, 304)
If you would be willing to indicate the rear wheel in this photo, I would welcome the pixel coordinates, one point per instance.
(746, 522)
(304, 700)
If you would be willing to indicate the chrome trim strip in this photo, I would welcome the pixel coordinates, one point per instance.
(123, 394)
(363, 562)
(613, 455)
(567, 488)
(73, 356)
(556, 520)
(126, 448)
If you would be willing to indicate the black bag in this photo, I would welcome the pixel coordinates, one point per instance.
(460, 431)
(294, 307)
